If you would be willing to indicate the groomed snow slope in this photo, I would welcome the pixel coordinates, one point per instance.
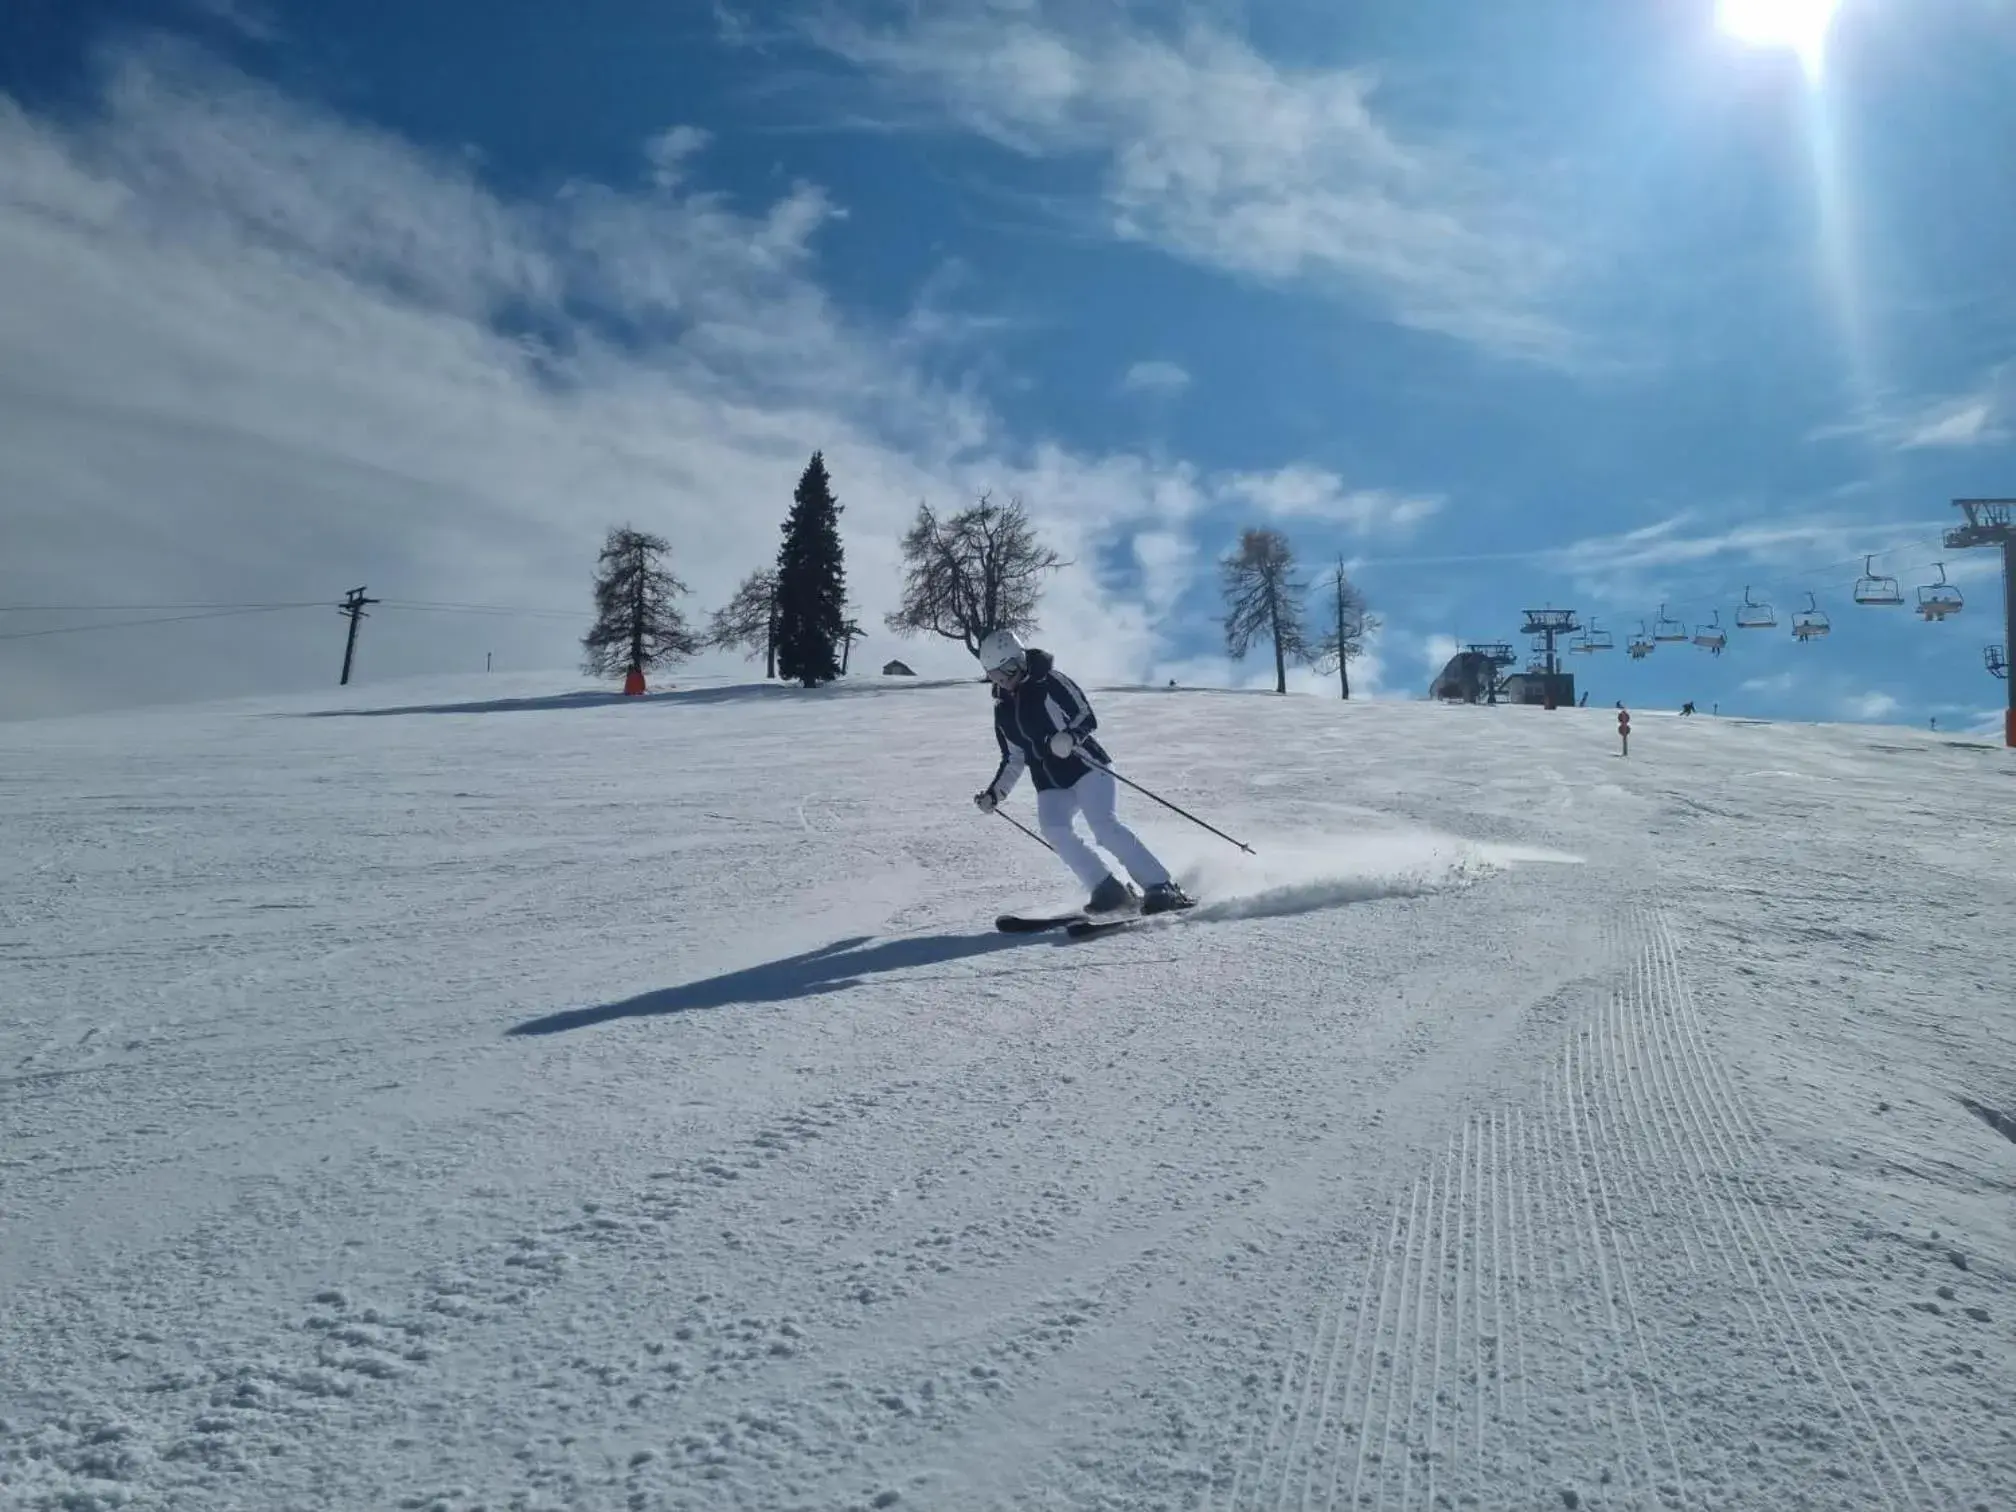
(544, 1100)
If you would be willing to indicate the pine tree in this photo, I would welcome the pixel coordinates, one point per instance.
(637, 625)
(811, 582)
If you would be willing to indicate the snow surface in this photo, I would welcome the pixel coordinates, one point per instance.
(503, 1097)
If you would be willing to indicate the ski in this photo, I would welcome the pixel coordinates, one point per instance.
(1087, 929)
(1036, 923)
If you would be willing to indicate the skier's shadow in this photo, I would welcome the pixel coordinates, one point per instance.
(830, 968)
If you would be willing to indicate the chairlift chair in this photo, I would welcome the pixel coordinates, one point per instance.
(1640, 645)
(1590, 640)
(1755, 616)
(1997, 663)
(1811, 622)
(1937, 600)
(1874, 590)
(1709, 637)
(1668, 629)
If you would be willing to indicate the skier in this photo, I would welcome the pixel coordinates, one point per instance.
(1042, 720)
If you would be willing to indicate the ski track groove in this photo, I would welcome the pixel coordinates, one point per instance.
(1592, 1231)
(1329, 1381)
(1631, 1313)
(1238, 1467)
(1633, 1178)
(1627, 1108)
(1747, 1134)
(1399, 1341)
(1480, 1198)
(1502, 1179)
(1435, 1352)
(1301, 1409)
(1273, 1427)
(1412, 1438)
(1711, 1131)
(1574, 1283)
(1718, 1086)
(1378, 1335)
(1715, 1165)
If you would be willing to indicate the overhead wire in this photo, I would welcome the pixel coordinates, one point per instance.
(186, 613)
(172, 619)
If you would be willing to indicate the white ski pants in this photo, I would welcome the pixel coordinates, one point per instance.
(1093, 795)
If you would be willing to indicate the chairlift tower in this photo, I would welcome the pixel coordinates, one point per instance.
(1545, 626)
(1992, 522)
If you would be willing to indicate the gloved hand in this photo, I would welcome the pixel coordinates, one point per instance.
(1062, 744)
(987, 801)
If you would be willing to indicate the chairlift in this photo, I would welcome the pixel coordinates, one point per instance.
(1810, 622)
(1997, 663)
(1668, 629)
(1640, 645)
(1874, 590)
(1937, 600)
(1592, 639)
(1709, 637)
(1751, 615)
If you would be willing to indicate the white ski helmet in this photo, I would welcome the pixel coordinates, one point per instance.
(1001, 651)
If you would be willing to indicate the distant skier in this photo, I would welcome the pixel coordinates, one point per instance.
(1043, 721)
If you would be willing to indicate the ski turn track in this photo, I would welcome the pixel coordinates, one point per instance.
(1594, 1297)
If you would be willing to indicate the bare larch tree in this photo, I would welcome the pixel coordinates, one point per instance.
(1263, 599)
(979, 570)
(638, 625)
(1346, 623)
(748, 621)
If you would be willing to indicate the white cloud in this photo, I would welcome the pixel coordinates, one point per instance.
(1959, 423)
(1216, 154)
(1436, 651)
(669, 151)
(1695, 563)
(1168, 563)
(1979, 416)
(1777, 682)
(257, 352)
(1303, 492)
(1872, 707)
(245, 17)
(1155, 377)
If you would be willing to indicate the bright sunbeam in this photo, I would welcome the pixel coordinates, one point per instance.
(1800, 25)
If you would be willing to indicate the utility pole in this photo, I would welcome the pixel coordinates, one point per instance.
(1992, 522)
(352, 609)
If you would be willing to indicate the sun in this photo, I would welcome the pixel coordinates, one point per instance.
(1800, 25)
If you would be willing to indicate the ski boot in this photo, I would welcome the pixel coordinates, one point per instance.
(1111, 896)
(1165, 896)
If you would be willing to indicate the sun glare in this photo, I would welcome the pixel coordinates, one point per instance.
(1800, 25)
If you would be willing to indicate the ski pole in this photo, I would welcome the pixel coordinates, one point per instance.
(1167, 804)
(999, 814)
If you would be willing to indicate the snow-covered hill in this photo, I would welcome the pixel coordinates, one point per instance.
(498, 1096)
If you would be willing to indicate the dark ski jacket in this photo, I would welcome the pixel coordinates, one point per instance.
(1026, 716)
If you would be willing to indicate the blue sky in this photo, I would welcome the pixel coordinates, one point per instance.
(1544, 303)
